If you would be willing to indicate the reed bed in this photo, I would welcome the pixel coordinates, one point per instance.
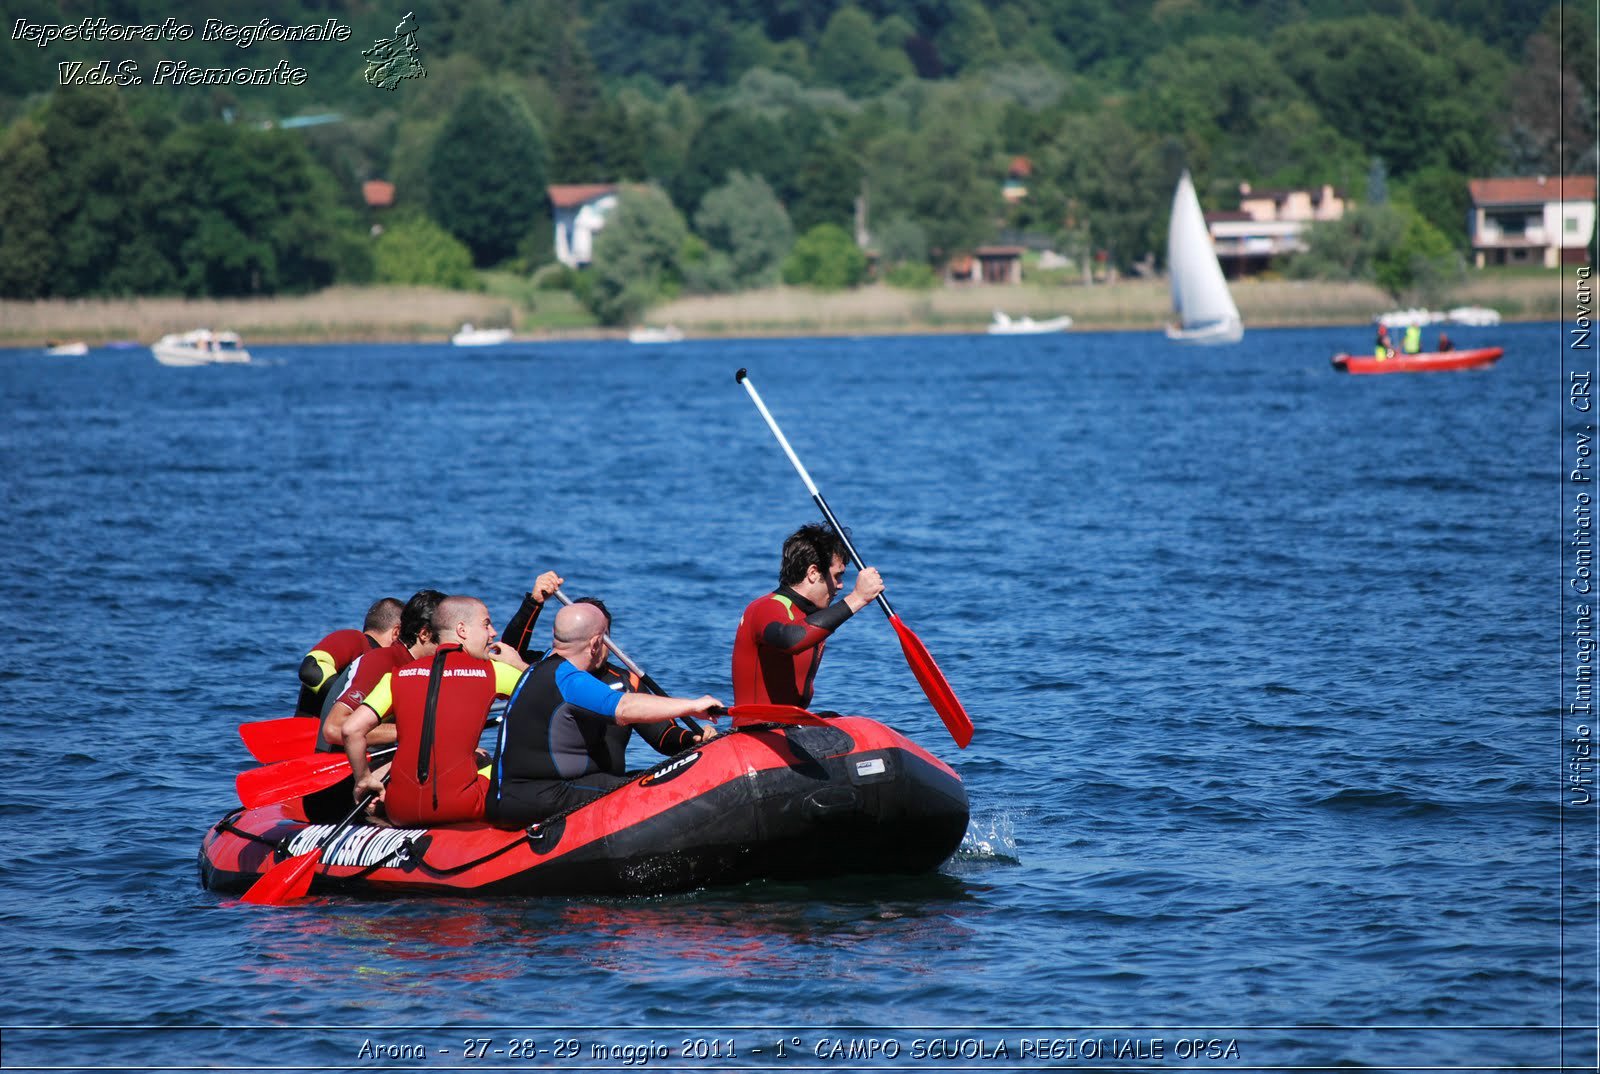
(414, 313)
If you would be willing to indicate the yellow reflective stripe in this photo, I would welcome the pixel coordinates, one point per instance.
(505, 678)
(788, 605)
(326, 663)
(380, 698)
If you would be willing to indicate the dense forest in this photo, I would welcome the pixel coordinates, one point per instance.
(756, 137)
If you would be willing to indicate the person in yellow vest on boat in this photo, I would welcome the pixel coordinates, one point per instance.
(1383, 349)
(1411, 342)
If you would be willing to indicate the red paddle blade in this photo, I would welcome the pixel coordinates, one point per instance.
(293, 778)
(279, 740)
(745, 715)
(944, 699)
(286, 881)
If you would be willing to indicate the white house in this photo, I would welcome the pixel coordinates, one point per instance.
(1269, 224)
(580, 211)
(1543, 220)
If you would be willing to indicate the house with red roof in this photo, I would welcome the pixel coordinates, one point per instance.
(1537, 220)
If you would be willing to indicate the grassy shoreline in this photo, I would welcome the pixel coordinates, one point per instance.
(370, 314)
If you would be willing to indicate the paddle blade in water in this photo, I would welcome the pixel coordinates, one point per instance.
(293, 778)
(279, 740)
(934, 684)
(286, 881)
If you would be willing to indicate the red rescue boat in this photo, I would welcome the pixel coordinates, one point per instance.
(847, 795)
(1427, 361)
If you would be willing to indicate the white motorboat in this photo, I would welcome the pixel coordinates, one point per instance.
(480, 337)
(651, 334)
(1475, 316)
(199, 347)
(1002, 325)
(75, 349)
(1200, 297)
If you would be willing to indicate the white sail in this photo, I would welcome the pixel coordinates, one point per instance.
(1200, 298)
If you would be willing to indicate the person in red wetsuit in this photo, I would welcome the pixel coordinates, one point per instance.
(336, 652)
(416, 641)
(438, 705)
(778, 647)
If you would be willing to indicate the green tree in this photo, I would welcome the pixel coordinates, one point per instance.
(249, 212)
(1390, 245)
(27, 248)
(486, 174)
(638, 255)
(968, 40)
(415, 250)
(98, 189)
(825, 258)
(744, 220)
(1412, 91)
(850, 56)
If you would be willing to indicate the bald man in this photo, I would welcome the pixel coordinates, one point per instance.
(438, 705)
(561, 744)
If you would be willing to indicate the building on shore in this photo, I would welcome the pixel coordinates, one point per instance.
(1536, 220)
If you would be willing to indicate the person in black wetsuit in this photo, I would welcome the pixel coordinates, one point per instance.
(519, 628)
(565, 734)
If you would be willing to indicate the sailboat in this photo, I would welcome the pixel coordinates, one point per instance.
(1200, 298)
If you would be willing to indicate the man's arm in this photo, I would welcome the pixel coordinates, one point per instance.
(647, 708)
(334, 733)
(356, 730)
(519, 631)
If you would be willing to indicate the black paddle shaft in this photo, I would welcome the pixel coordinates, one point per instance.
(743, 377)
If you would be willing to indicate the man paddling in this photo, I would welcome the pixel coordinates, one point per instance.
(339, 650)
(778, 647)
(565, 732)
(438, 705)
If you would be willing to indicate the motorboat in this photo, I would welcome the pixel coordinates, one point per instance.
(1422, 362)
(469, 336)
(200, 346)
(75, 349)
(1004, 325)
(652, 334)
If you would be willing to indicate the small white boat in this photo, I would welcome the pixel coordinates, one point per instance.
(480, 337)
(1475, 316)
(75, 349)
(651, 334)
(199, 347)
(1200, 297)
(1415, 316)
(1003, 325)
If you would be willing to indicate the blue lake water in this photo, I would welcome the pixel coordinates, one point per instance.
(1264, 662)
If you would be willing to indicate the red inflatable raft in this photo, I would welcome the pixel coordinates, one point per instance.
(768, 802)
(1424, 362)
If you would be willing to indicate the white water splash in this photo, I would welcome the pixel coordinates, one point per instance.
(990, 837)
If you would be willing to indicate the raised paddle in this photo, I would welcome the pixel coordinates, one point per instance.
(291, 878)
(294, 778)
(278, 740)
(933, 682)
(644, 679)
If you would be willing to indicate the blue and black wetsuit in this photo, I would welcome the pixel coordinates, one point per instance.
(560, 745)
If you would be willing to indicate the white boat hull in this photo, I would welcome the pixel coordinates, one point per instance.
(1027, 326)
(648, 334)
(200, 347)
(67, 350)
(481, 337)
(1221, 332)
